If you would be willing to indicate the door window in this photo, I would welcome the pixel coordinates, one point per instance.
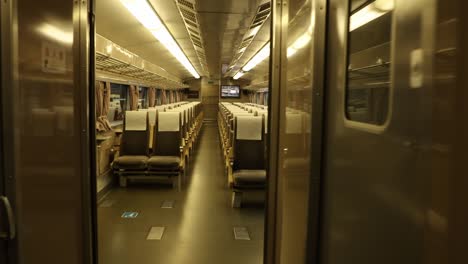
(369, 62)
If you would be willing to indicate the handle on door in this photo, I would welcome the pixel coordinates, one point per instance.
(11, 233)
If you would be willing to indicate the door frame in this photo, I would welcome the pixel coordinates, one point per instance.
(7, 52)
(89, 40)
(318, 128)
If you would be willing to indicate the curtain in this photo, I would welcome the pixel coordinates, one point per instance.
(163, 97)
(102, 98)
(171, 96)
(158, 97)
(134, 96)
(151, 97)
(177, 96)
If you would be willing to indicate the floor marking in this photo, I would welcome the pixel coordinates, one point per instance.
(241, 233)
(168, 204)
(129, 214)
(156, 233)
(107, 203)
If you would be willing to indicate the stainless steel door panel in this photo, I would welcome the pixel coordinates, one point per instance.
(44, 93)
(375, 181)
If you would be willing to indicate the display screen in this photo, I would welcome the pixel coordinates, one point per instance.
(230, 91)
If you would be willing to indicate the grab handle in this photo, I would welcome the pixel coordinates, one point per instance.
(11, 233)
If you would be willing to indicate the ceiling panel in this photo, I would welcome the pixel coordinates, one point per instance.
(115, 22)
(223, 24)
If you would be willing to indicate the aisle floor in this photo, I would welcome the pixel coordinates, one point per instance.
(198, 230)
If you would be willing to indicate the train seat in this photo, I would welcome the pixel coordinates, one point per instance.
(131, 162)
(248, 163)
(134, 146)
(167, 158)
(249, 178)
(164, 162)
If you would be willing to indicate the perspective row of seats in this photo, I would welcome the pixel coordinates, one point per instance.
(157, 143)
(242, 130)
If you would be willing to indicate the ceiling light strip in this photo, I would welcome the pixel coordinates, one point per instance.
(147, 16)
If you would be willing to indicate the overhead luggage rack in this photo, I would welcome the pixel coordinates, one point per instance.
(113, 60)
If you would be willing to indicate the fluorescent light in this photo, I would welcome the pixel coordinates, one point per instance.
(144, 12)
(259, 57)
(56, 33)
(238, 75)
(370, 12)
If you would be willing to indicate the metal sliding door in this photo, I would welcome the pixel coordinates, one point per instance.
(45, 134)
(297, 70)
(395, 159)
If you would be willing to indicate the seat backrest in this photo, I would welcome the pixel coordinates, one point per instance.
(167, 134)
(135, 133)
(249, 143)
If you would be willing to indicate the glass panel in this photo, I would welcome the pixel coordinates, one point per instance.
(369, 61)
(118, 103)
(295, 108)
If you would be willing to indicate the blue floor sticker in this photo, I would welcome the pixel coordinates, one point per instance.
(129, 214)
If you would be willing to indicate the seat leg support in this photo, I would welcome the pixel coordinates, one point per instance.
(236, 199)
(123, 181)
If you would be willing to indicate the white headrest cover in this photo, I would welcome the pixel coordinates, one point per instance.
(152, 116)
(249, 127)
(294, 123)
(135, 120)
(168, 121)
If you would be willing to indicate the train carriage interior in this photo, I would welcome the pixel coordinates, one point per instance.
(233, 131)
(181, 130)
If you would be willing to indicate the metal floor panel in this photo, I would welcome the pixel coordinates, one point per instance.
(241, 233)
(107, 203)
(168, 204)
(199, 228)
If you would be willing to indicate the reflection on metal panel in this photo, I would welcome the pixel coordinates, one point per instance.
(241, 233)
(168, 204)
(47, 106)
(156, 233)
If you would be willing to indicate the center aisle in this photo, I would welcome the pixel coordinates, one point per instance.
(198, 230)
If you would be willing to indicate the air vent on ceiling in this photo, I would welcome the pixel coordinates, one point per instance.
(191, 23)
(193, 31)
(195, 37)
(189, 16)
(262, 14)
(186, 4)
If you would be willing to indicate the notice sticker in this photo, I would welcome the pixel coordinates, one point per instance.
(53, 58)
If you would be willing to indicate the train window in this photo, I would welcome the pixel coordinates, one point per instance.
(118, 103)
(369, 61)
